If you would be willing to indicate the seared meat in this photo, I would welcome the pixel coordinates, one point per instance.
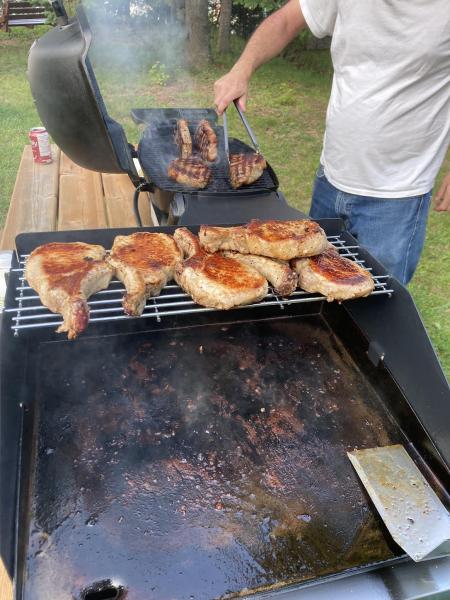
(183, 138)
(144, 262)
(191, 171)
(206, 141)
(277, 272)
(64, 276)
(332, 275)
(277, 239)
(213, 280)
(246, 168)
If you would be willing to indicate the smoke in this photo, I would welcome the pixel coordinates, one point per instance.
(138, 55)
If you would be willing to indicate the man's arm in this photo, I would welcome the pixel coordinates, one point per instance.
(268, 41)
(442, 198)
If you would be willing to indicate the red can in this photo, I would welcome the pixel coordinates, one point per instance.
(40, 145)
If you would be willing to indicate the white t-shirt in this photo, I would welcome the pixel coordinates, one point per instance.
(388, 119)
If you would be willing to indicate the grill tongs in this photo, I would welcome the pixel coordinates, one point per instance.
(247, 127)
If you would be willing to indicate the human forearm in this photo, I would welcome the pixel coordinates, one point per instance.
(268, 41)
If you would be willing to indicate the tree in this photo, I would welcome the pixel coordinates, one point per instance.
(223, 44)
(197, 25)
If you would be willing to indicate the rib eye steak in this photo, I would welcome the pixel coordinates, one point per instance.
(333, 275)
(213, 280)
(183, 138)
(192, 172)
(246, 168)
(205, 140)
(276, 239)
(65, 275)
(144, 262)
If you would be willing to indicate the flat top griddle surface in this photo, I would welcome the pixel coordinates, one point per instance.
(196, 463)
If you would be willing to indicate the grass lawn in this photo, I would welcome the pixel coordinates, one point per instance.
(287, 112)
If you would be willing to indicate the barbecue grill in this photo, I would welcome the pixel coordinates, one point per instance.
(193, 453)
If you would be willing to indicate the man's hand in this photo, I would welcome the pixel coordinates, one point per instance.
(268, 41)
(442, 198)
(232, 86)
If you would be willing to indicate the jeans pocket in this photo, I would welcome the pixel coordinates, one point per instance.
(320, 173)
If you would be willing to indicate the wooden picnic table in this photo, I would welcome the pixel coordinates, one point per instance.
(62, 196)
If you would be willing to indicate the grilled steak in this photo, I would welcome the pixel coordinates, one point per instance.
(246, 169)
(277, 272)
(276, 239)
(332, 275)
(206, 141)
(213, 280)
(144, 262)
(192, 172)
(64, 276)
(183, 138)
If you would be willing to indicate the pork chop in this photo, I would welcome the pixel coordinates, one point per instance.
(276, 239)
(65, 275)
(183, 138)
(144, 262)
(213, 280)
(280, 276)
(205, 140)
(333, 275)
(192, 172)
(246, 168)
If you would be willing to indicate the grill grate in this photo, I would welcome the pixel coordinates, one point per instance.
(106, 305)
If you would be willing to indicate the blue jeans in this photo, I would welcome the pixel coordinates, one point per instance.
(392, 230)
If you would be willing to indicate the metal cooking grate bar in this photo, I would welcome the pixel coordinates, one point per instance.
(106, 305)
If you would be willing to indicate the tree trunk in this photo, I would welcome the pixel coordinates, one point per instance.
(197, 24)
(223, 45)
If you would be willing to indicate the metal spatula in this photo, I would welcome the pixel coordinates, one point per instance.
(414, 515)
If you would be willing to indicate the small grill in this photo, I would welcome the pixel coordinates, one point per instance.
(107, 304)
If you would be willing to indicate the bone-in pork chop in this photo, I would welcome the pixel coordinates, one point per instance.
(192, 172)
(183, 138)
(65, 275)
(276, 239)
(144, 262)
(280, 276)
(333, 275)
(213, 280)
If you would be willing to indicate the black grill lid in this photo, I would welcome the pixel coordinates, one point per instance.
(69, 101)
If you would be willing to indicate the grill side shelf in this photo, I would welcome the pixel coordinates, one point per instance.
(28, 313)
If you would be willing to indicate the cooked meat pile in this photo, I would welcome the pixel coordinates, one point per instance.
(65, 275)
(276, 239)
(246, 169)
(183, 138)
(191, 171)
(206, 141)
(332, 275)
(214, 280)
(277, 272)
(144, 262)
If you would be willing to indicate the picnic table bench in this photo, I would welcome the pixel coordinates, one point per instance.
(62, 196)
(21, 14)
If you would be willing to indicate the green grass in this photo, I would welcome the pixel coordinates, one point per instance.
(287, 111)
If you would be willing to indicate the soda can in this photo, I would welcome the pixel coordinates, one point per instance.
(40, 145)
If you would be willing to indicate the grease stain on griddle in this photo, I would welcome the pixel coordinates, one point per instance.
(198, 463)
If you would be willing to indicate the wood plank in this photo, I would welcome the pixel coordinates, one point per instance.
(119, 190)
(34, 200)
(81, 202)
(6, 591)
